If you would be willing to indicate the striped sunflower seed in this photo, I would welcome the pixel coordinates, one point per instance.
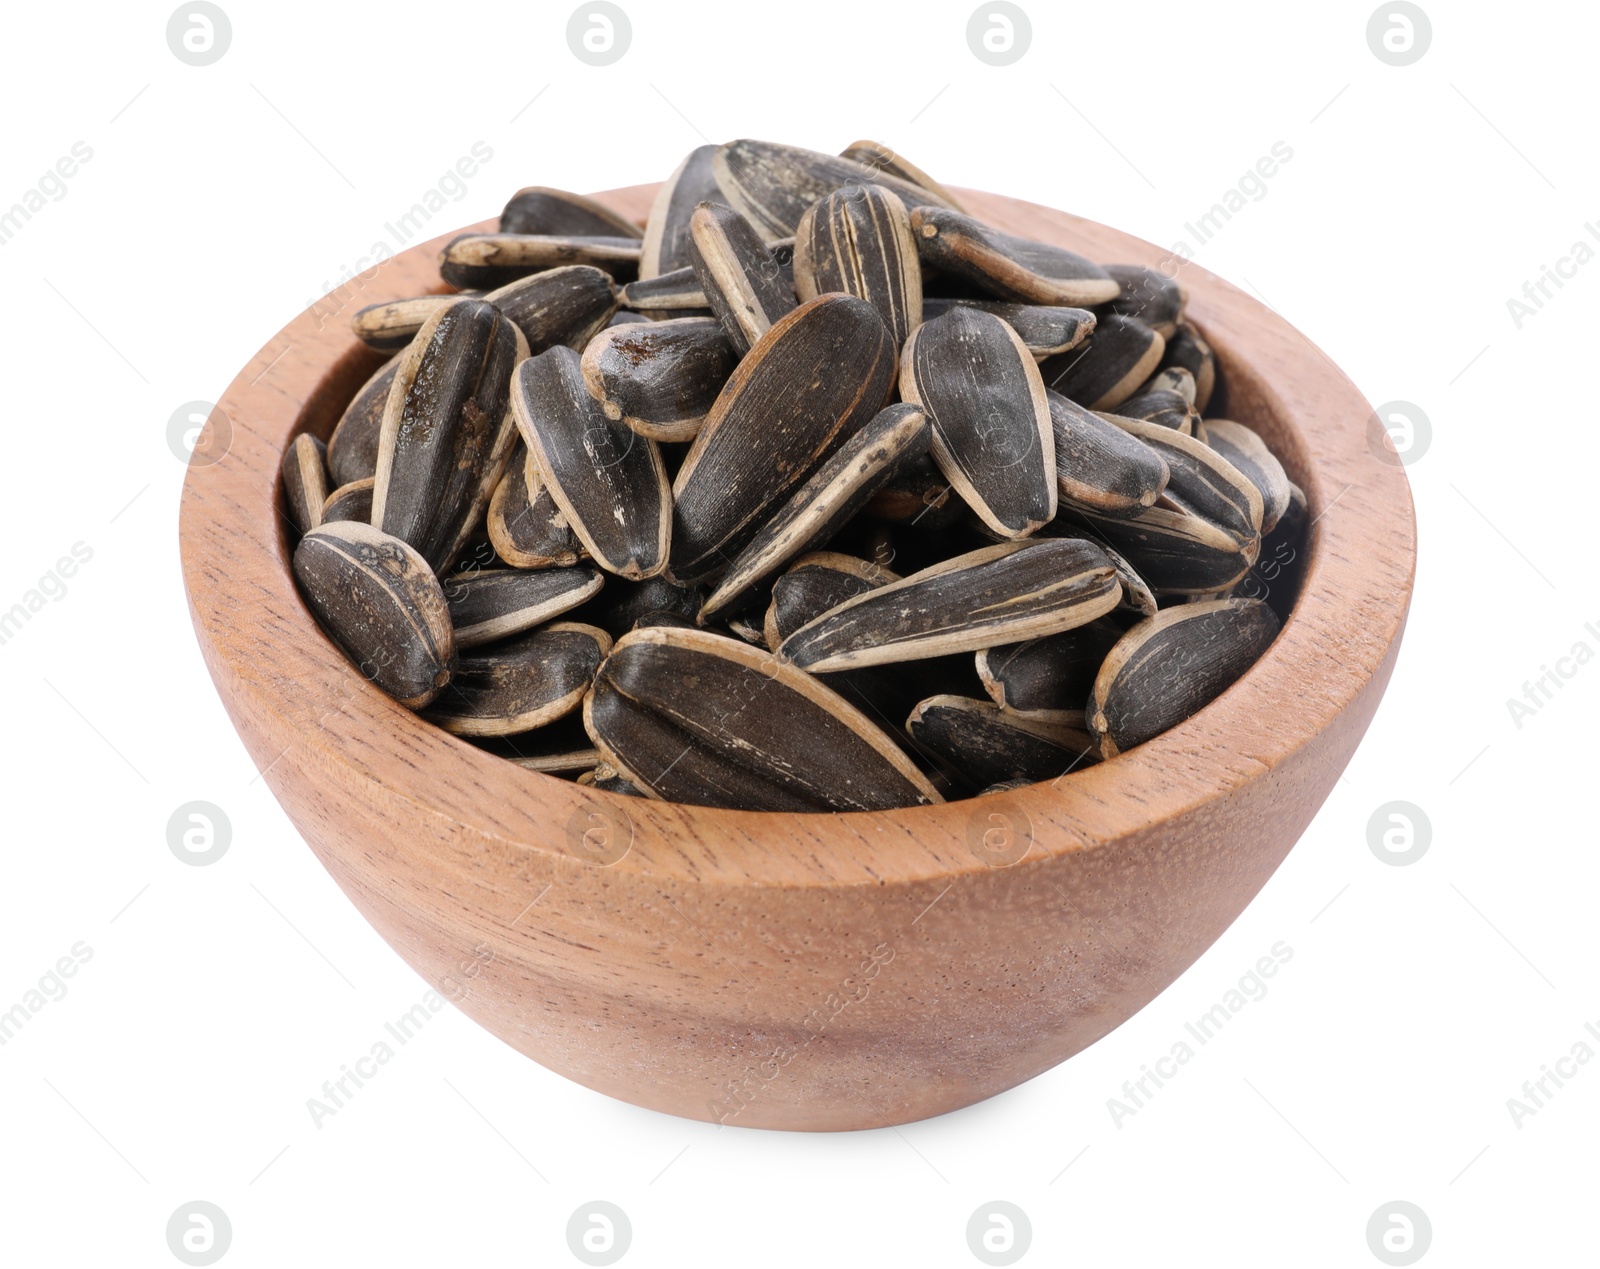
(1121, 354)
(609, 483)
(447, 432)
(1046, 329)
(526, 528)
(497, 603)
(353, 447)
(488, 261)
(659, 378)
(666, 231)
(1048, 679)
(742, 281)
(1176, 552)
(986, 745)
(992, 435)
(880, 158)
(1171, 379)
(806, 386)
(1148, 294)
(1008, 267)
(1164, 407)
(1169, 667)
(815, 583)
(560, 213)
(381, 603)
(692, 716)
(773, 185)
(997, 594)
(679, 294)
(1202, 480)
(1189, 350)
(305, 481)
(558, 306)
(518, 684)
(818, 508)
(350, 502)
(1100, 468)
(1247, 452)
(858, 240)
(390, 326)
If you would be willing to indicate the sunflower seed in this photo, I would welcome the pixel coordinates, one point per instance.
(1163, 407)
(991, 423)
(1280, 568)
(773, 185)
(805, 387)
(672, 619)
(622, 604)
(1202, 480)
(382, 604)
(497, 603)
(609, 483)
(1148, 294)
(881, 159)
(819, 507)
(666, 231)
(558, 306)
(987, 745)
(525, 526)
(487, 261)
(560, 213)
(692, 716)
(1249, 454)
(390, 326)
(659, 378)
(740, 279)
(996, 594)
(622, 317)
(608, 779)
(350, 502)
(1189, 350)
(1046, 329)
(447, 432)
(1121, 354)
(521, 683)
(305, 481)
(1049, 679)
(1172, 665)
(918, 494)
(353, 447)
(814, 584)
(1170, 379)
(1176, 553)
(1005, 786)
(858, 240)
(1008, 267)
(676, 292)
(1136, 593)
(1099, 467)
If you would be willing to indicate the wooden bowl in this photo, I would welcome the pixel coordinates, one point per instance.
(801, 971)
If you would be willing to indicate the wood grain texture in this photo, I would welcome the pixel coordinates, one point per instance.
(703, 971)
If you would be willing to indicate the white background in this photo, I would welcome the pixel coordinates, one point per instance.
(221, 200)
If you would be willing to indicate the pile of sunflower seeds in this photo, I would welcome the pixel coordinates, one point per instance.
(815, 494)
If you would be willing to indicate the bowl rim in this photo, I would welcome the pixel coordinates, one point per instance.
(280, 677)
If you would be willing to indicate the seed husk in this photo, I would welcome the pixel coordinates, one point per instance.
(987, 745)
(918, 494)
(608, 779)
(666, 231)
(390, 326)
(1171, 379)
(1005, 786)
(1169, 667)
(525, 526)
(880, 158)
(447, 432)
(305, 481)
(353, 447)
(676, 292)
(609, 483)
(1006, 266)
(538, 209)
(1046, 329)
(1278, 572)
(1100, 468)
(497, 603)
(1176, 552)
(518, 684)
(1136, 593)
(806, 386)
(1148, 294)
(659, 378)
(558, 306)
(756, 734)
(350, 502)
(1189, 350)
(623, 317)
(489, 261)
(773, 185)
(1202, 480)
(1049, 679)
(836, 491)
(1164, 407)
(1248, 453)
(992, 435)
(815, 583)
(741, 279)
(858, 240)
(1121, 354)
(382, 604)
(997, 594)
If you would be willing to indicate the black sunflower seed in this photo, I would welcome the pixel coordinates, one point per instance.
(353, 447)
(988, 746)
(1189, 350)
(1247, 452)
(305, 481)
(1005, 266)
(390, 326)
(1202, 480)
(487, 261)
(1148, 294)
(858, 240)
(522, 683)
(880, 158)
(659, 378)
(526, 528)
(1046, 329)
(666, 231)
(1100, 468)
(1049, 679)
(497, 603)
(538, 209)
(814, 584)
(741, 279)
(1121, 354)
(558, 306)
(350, 502)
